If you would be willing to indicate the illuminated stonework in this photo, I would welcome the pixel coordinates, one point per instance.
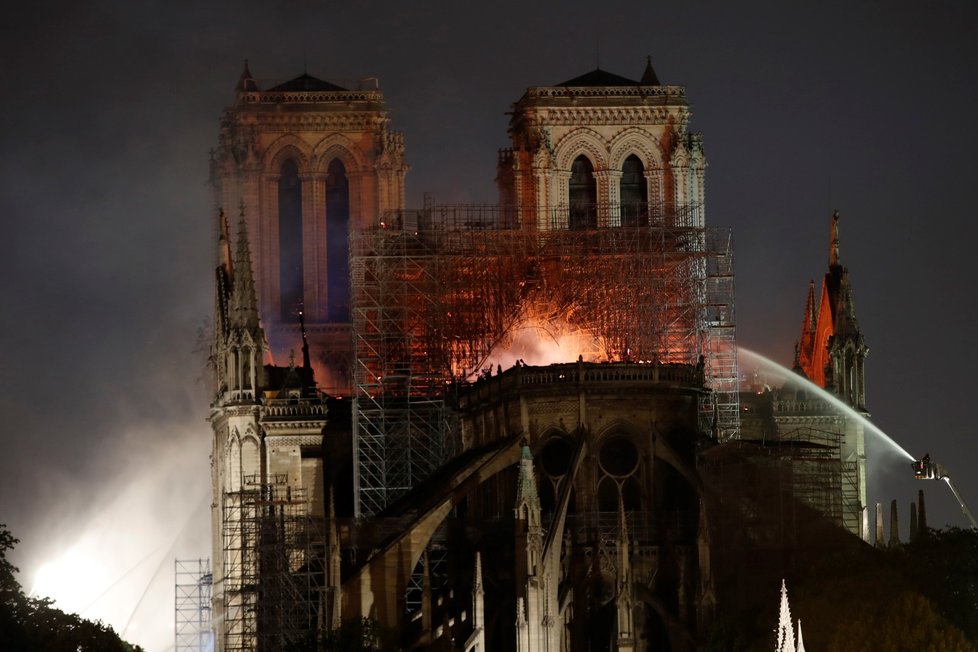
(306, 161)
(457, 493)
(612, 127)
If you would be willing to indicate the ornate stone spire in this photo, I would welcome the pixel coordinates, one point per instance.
(527, 498)
(244, 303)
(801, 643)
(834, 242)
(246, 83)
(649, 78)
(786, 634)
(223, 283)
(845, 316)
(224, 244)
(478, 638)
(531, 575)
(806, 344)
(623, 597)
(522, 636)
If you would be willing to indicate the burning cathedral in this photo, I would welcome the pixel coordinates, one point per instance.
(496, 427)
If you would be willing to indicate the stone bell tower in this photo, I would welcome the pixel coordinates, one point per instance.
(602, 150)
(307, 162)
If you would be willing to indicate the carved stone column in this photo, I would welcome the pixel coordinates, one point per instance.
(609, 197)
(267, 254)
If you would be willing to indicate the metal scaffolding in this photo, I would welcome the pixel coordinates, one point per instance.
(439, 294)
(239, 587)
(274, 569)
(192, 605)
(816, 469)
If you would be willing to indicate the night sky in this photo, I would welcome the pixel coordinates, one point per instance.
(109, 109)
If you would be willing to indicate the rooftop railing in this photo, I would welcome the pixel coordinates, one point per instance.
(571, 216)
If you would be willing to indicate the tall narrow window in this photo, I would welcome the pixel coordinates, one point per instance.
(634, 193)
(290, 241)
(337, 242)
(582, 195)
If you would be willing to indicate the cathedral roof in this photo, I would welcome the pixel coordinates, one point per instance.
(598, 77)
(304, 84)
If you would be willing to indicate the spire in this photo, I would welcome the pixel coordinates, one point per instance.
(811, 315)
(477, 582)
(223, 275)
(801, 643)
(786, 634)
(845, 311)
(806, 345)
(478, 608)
(623, 596)
(244, 304)
(246, 83)
(526, 491)
(224, 243)
(834, 242)
(649, 78)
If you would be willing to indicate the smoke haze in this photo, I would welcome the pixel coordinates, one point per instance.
(107, 254)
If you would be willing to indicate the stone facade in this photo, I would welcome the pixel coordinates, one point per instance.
(827, 443)
(347, 170)
(605, 119)
(571, 512)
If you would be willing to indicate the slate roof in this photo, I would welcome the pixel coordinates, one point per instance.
(598, 77)
(304, 84)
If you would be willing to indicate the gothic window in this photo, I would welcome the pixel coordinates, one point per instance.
(290, 241)
(631, 495)
(337, 242)
(633, 193)
(608, 495)
(618, 456)
(582, 195)
(555, 457)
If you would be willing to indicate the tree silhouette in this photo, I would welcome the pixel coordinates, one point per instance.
(33, 624)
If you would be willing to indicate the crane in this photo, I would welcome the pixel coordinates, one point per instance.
(925, 469)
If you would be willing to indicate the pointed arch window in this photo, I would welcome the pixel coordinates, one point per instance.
(290, 241)
(634, 193)
(337, 242)
(582, 195)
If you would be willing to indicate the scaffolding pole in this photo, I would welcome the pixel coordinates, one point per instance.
(192, 605)
(274, 579)
(439, 294)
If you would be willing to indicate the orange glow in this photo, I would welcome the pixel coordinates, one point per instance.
(539, 342)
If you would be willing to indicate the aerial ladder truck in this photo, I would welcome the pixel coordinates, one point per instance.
(925, 469)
